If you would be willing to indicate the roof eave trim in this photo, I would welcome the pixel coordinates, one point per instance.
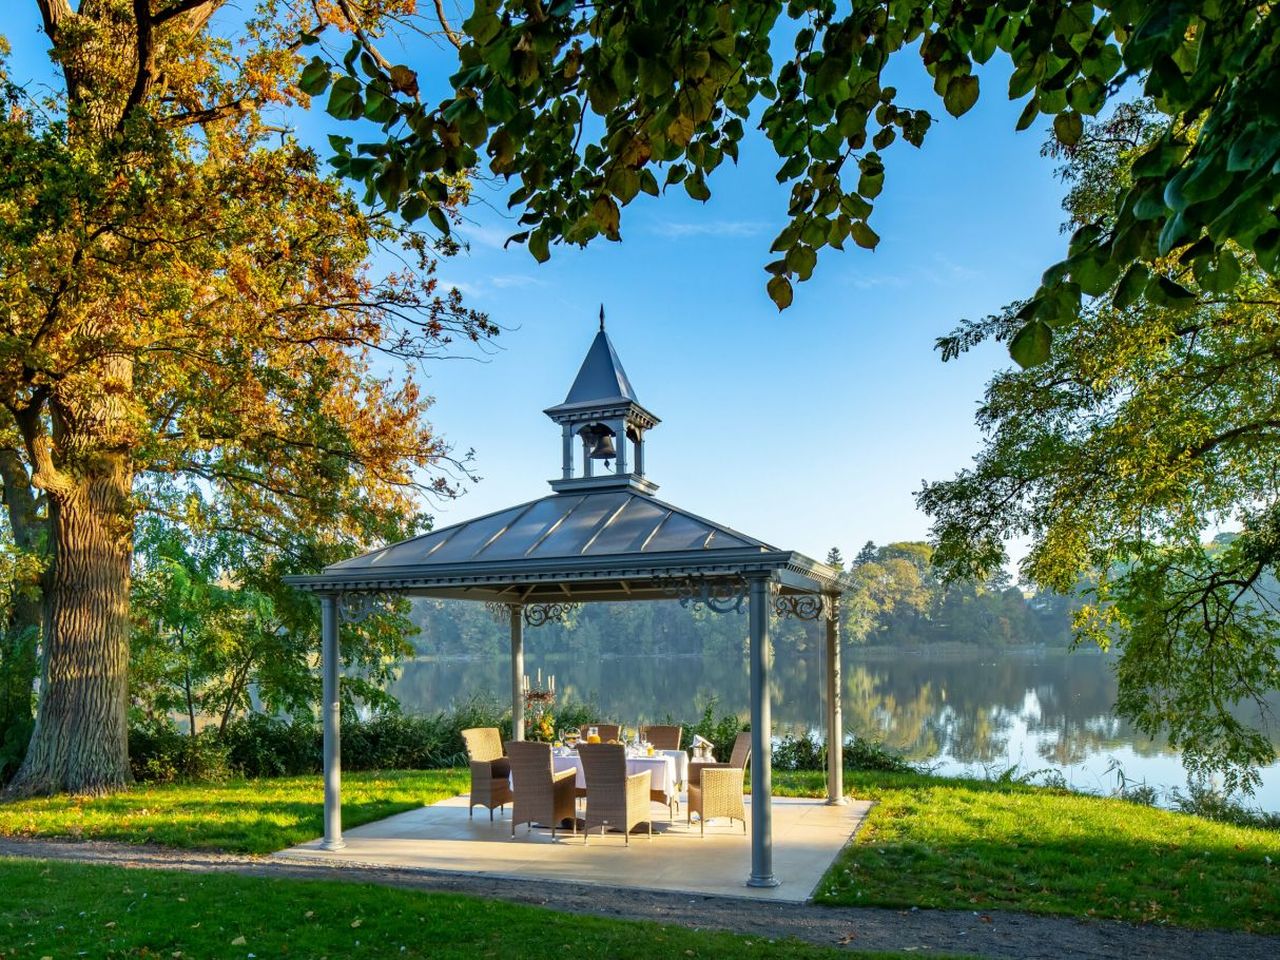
(631, 566)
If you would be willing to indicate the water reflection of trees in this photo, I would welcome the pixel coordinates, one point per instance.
(980, 708)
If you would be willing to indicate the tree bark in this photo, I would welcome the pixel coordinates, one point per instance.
(85, 466)
(80, 741)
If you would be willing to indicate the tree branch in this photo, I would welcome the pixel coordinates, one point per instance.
(146, 57)
(444, 22)
(54, 12)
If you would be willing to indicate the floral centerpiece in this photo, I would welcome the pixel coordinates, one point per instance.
(539, 721)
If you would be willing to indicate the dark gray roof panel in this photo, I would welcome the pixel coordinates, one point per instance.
(527, 530)
(589, 516)
(631, 530)
(605, 523)
(601, 376)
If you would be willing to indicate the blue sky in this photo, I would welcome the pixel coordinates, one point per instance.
(809, 428)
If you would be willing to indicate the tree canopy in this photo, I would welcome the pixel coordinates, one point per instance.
(582, 106)
(1153, 422)
(194, 328)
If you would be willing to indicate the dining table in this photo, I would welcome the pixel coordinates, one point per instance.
(667, 768)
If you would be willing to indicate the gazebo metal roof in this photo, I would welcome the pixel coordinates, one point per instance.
(617, 544)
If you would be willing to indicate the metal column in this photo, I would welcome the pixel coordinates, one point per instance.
(761, 739)
(835, 718)
(517, 672)
(331, 710)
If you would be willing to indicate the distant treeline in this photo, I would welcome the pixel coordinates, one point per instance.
(897, 601)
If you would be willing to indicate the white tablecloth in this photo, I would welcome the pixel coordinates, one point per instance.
(681, 758)
(661, 766)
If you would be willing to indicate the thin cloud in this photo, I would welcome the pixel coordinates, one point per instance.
(712, 228)
(503, 281)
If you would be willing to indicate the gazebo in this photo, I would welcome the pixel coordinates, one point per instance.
(599, 536)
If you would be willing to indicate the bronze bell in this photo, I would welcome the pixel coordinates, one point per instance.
(603, 449)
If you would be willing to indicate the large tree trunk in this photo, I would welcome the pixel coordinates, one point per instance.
(80, 741)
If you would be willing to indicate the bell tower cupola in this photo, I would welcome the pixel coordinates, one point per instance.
(603, 426)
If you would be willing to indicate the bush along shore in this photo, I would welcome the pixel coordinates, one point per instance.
(261, 746)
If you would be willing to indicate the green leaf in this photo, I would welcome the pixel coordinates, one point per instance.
(1164, 292)
(315, 77)
(962, 93)
(863, 235)
(1131, 286)
(780, 292)
(390, 183)
(538, 246)
(1068, 128)
(344, 99)
(415, 206)
(1031, 346)
(1095, 274)
(1029, 114)
(438, 220)
(801, 259)
(696, 187)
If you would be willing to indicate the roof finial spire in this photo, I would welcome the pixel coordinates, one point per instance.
(602, 317)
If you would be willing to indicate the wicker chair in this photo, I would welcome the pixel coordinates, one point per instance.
(662, 737)
(607, 731)
(490, 770)
(541, 794)
(613, 798)
(715, 789)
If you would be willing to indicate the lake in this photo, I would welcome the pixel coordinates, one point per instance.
(977, 712)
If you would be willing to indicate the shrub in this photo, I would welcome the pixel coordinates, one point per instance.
(1206, 801)
(863, 754)
(162, 753)
(259, 745)
(13, 746)
(721, 732)
(805, 752)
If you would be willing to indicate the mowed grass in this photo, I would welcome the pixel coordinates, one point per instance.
(928, 842)
(66, 910)
(975, 845)
(240, 816)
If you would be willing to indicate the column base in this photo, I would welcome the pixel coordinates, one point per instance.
(766, 881)
(837, 801)
(338, 844)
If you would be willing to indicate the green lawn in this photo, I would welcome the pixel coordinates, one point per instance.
(974, 845)
(67, 910)
(242, 816)
(929, 841)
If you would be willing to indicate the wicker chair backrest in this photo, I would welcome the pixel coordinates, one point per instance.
(741, 751)
(530, 764)
(607, 731)
(483, 743)
(604, 765)
(663, 737)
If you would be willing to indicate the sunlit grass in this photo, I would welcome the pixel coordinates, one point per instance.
(928, 842)
(969, 844)
(243, 816)
(67, 910)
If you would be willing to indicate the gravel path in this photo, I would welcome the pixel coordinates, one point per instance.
(989, 934)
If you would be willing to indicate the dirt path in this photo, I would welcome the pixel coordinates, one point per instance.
(989, 934)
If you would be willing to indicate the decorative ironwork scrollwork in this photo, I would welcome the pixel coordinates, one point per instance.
(501, 612)
(359, 607)
(536, 614)
(805, 606)
(718, 594)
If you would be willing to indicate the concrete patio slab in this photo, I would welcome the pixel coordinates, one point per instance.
(807, 835)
